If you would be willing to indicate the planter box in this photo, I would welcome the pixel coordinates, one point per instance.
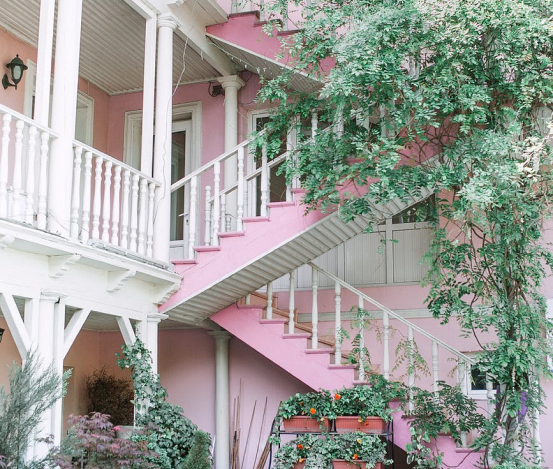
(347, 424)
(341, 464)
(303, 423)
(299, 465)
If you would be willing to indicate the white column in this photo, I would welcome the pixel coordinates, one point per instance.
(64, 108)
(44, 61)
(231, 84)
(148, 96)
(148, 333)
(222, 404)
(162, 148)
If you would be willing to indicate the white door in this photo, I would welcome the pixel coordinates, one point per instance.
(180, 199)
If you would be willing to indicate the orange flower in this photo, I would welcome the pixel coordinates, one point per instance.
(312, 410)
(355, 456)
(337, 396)
(300, 446)
(301, 460)
(360, 420)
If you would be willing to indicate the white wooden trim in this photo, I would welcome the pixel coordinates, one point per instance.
(30, 88)
(88, 103)
(126, 329)
(73, 328)
(15, 324)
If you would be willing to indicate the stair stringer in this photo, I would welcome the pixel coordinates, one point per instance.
(269, 340)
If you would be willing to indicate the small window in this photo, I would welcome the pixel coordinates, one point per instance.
(421, 212)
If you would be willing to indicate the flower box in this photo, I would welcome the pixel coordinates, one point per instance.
(342, 464)
(346, 424)
(299, 465)
(303, 423)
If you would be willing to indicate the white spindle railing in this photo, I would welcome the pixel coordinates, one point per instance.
(227, 204)
(24, 161)
(292, 302)
(115, 205)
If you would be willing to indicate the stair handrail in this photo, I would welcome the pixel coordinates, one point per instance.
(393, 314)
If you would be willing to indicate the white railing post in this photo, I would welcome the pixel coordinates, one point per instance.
(490, 396)
(216, 204)
(115, 215)
(96, 206)
(338, 323)
(264, 182)
(4, 165)
(42, 181)
(435, 362)
(411, 366)
(462, 372)
(150, 233)
(261, 10)
(269, 314)
(75, 198)
(361, 306)
(386, 343)
(240, 195)
(192, 218)
(30, 183)
(106, 209)
(314, 309)
(292, 301)
(125, 194)
(87, 194)
(142, 213)
(207, 229)
(134, 213)
(224, 213)
(314, 123)
(17, 171)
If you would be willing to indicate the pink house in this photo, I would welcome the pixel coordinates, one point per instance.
(131, 203)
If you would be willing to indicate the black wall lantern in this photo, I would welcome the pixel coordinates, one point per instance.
(1, 333)
(17, 67)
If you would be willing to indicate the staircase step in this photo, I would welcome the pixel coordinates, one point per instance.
(255, 219)
(296, 336)
(272, 321)
(207, 248)
(281, 204)
(231, 234)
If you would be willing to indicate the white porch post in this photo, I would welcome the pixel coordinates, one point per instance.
(162, 148)
(231, 84)
(222, 404)
(146, 153)
(44, 61)
(148, 333)
(64, 109)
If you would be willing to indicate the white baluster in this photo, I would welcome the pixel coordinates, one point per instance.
(314, 309)
(261, 10)
(30, 183)
(87, 190)
(134, 213)
(269, 314)
(228, 222)
(314, 123)
(490, 395)
(240, 196)
(96, 206)
(76, 194)
(150, 232)
(435, 370)
(247, 204)
(223, 213)
(17, 171)
(338, 323)
(125, 209)
(4, 165)
(362, 375)
(386, 344)
(115, 214)
(411, 365)
(285, 19)
(291, 148)
(461, 370)
(207, 231)
(192, 219)
(216, 204)
(106, 212)
(43, 180)
(142, 214)
(291, 301)
(248, 299)
(264, 182)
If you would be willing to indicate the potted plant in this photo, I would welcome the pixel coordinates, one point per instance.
(357, 449)
(307, 412)
(301, 453)
(361, 408)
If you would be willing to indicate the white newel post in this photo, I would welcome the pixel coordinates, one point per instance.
(148, 333)
(162, 148)
(44, 61)
(231, 84)
(64, 108)
(222, 403)
(148, 96)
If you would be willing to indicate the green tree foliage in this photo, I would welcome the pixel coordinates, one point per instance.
(199, 456)
(446, 97)
(33, 389)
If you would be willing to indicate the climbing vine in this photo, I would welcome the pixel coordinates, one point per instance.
(451, 98)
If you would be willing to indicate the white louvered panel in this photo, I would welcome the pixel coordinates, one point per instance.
(331, 261)
(281, 284)
(410, 247)
(365, 260)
